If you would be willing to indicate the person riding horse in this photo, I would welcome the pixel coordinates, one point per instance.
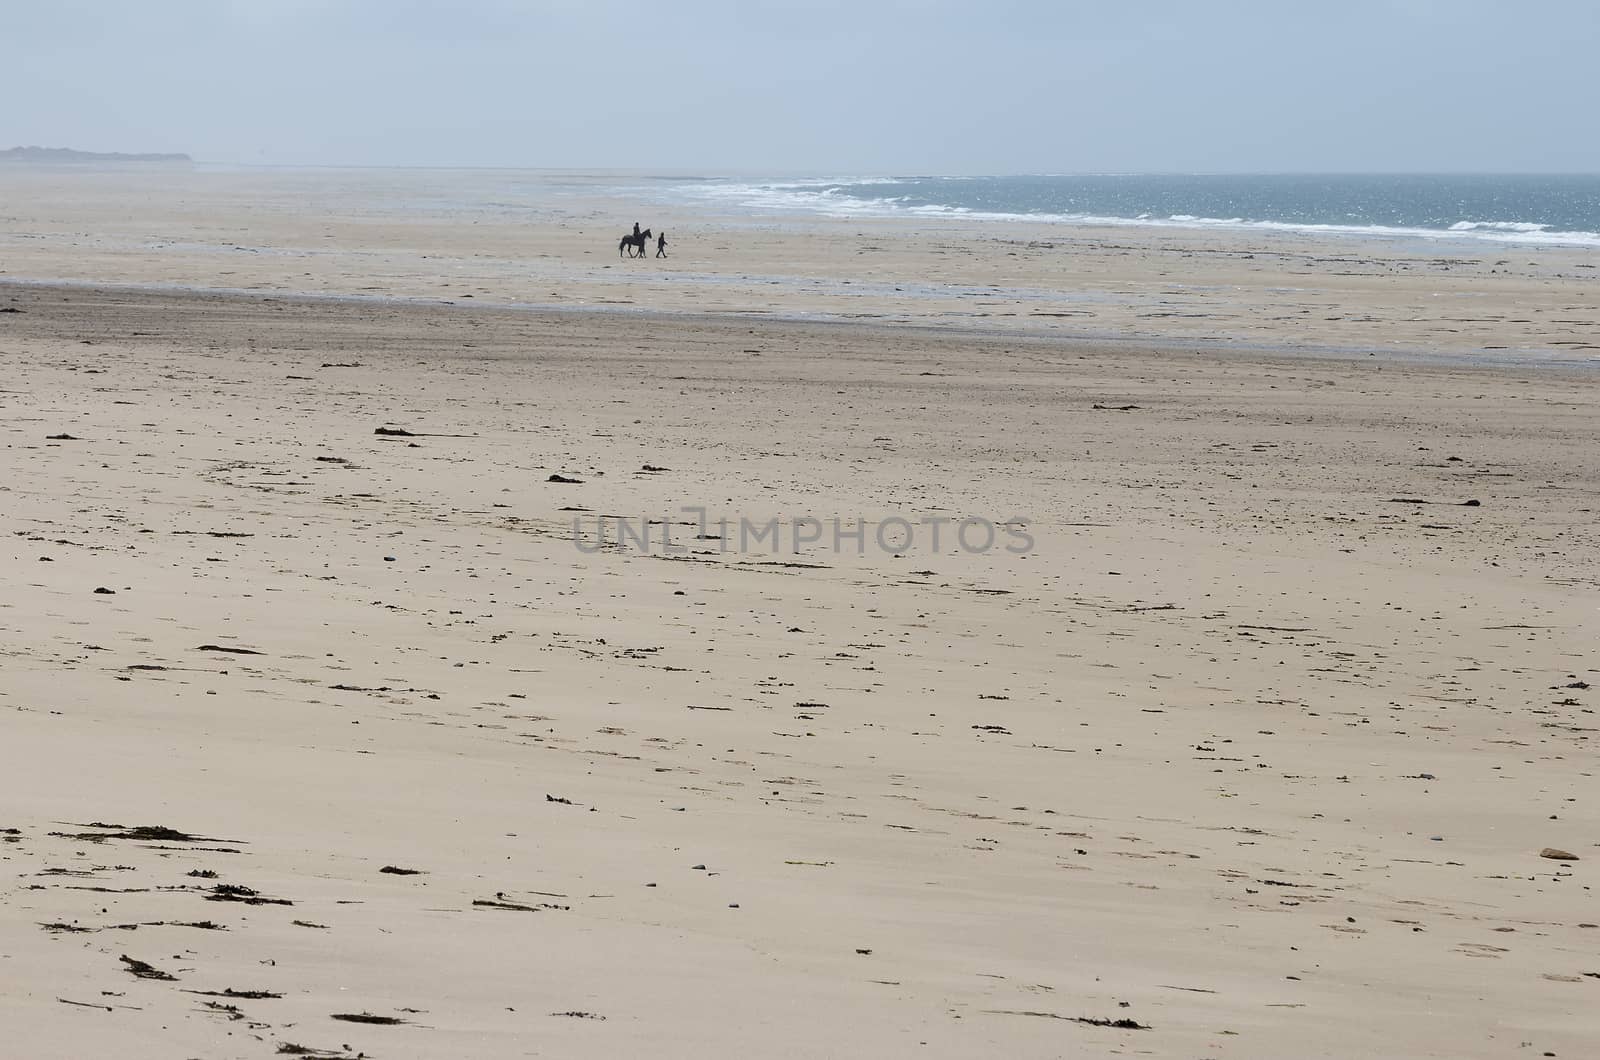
(634, 244)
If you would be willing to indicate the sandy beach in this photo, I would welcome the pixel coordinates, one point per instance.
(549, 240)
(329, 732)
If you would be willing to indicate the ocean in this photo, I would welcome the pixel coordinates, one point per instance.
(1554, 210)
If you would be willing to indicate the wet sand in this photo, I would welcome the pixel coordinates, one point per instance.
(551, 240)
(1253, 755)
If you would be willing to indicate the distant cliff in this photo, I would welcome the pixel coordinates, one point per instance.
(67, 154)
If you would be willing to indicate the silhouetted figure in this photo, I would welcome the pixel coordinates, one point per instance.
(634, 244)
(636, 229)
(661, 245)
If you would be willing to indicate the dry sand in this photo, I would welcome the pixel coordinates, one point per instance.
(1257, 749)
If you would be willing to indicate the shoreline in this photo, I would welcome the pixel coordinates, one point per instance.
(553, 244)
(1401, 237)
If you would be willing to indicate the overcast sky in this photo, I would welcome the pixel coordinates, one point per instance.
(830, 86)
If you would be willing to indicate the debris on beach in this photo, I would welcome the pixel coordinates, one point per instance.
(143, 970)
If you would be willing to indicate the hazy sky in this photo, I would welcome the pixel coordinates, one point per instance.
(832, 86)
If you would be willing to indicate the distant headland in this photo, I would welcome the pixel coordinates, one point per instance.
(67, 154)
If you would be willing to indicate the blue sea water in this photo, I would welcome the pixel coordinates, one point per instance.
(1552, 210)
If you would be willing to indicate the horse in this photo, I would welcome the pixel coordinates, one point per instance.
(634, 245)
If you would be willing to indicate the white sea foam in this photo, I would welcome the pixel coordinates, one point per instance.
(832, 198)
(1498, 226)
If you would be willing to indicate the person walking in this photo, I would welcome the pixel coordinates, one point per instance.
(661, 245)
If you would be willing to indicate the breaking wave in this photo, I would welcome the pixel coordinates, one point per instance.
(1017, 199)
